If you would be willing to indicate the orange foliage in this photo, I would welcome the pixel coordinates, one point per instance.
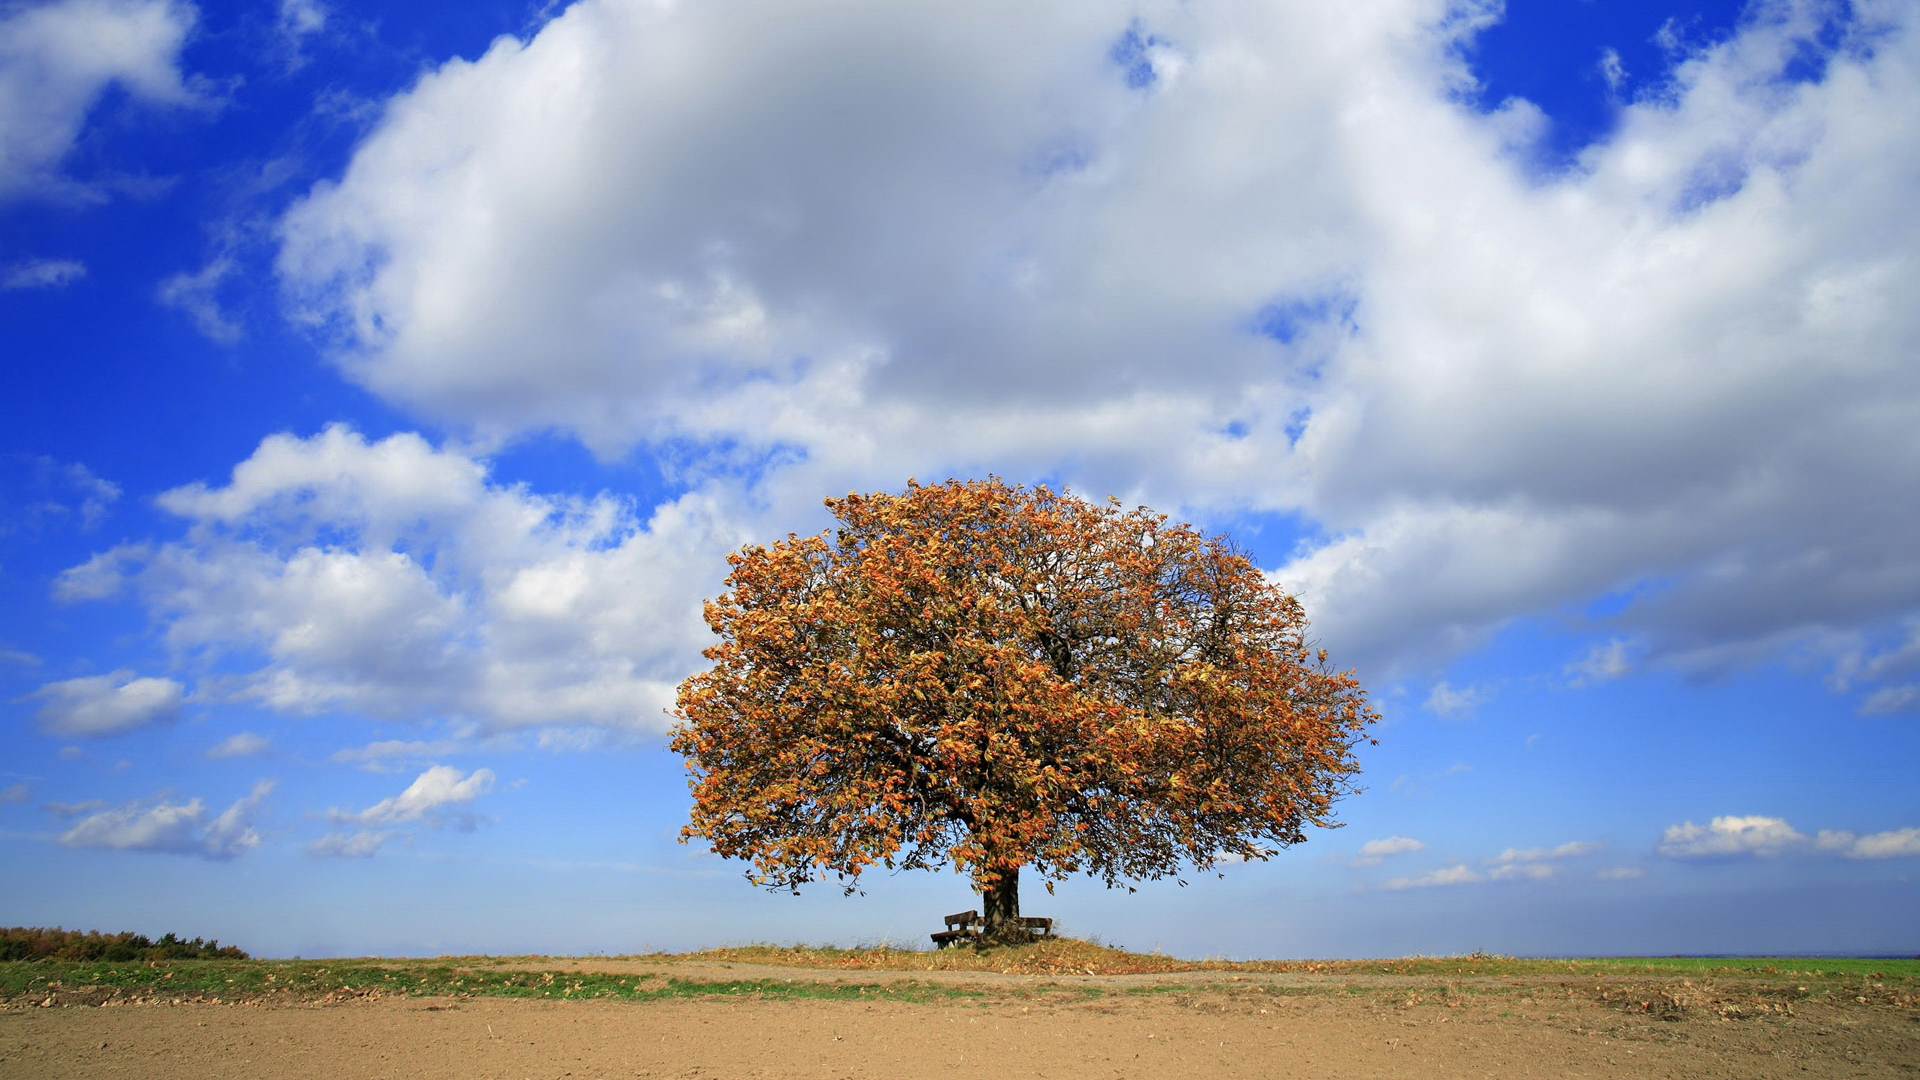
(993, 676)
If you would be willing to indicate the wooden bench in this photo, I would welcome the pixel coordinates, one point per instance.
(964, 926)
(961, 926)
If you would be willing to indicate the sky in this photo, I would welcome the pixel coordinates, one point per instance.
(385, 386)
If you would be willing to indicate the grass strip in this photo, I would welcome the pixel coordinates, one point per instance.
(80, 981)
(319, 980)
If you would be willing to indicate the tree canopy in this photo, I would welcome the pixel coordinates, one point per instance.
(992, 677)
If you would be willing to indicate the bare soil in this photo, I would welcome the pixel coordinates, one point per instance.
(1010, 1026)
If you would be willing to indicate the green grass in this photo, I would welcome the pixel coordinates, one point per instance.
(1067, 956)
(534, 977)
(1766, 965)
(311, 979)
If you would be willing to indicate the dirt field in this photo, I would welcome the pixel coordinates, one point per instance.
(1005, 1026)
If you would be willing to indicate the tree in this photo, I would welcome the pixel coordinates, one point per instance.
(994, 677)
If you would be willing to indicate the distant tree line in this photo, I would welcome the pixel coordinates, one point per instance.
(52, 943)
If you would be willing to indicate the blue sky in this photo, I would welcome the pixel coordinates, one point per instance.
(387, 385)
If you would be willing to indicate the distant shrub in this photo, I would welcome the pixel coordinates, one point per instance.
(53, 943)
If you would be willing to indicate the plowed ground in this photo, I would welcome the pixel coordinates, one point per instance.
(994, 1027)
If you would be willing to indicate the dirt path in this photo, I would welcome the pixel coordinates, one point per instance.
(1212, 1032)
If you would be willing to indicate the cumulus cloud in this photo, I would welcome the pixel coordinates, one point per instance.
(393, 579)
(1572, 849)
(1513, 864)
(56, 61)
(176, 828)
(1757, 835)
(429, 796)
(1524, 871)
(1892, 844)
(434, 797)
(1256, 258)
(1447, 701)
(1457, 874)
(1373, 851)
(240, 744)
(106, 704)
(1729, 835)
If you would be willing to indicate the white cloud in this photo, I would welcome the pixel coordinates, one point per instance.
(1621, 873)
(356, 845)
(15, 793)
(56, 61)
(1457, 874)
(1527, 871)
(197, 293)
(41, 274)
(18, 656)
(39, 492)
(1373, 851)
(1611, 69)
(1897, 659)
(1513, 864)
(1729, 835)
(1572, 849)
(106, 704)
(96, 495)
(177, 828)
(430, 794)
(1889, 700)
(302, 18)
(395, 580)
(240, 744)
(1449, 702)
(1605, 660)
(433, 797)
(1892, 844)
(1680, 367)
(387, 755)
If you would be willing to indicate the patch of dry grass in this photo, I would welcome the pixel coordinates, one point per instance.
(1052, 956)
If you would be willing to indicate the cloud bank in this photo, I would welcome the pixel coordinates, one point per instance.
(187, 828)
(1211, 255)
(1766, 836)
(432, 797)
(114, 704)
(1731, 834)
(57, 60)
(394, 580)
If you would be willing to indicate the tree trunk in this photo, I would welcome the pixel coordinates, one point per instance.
(1000, 903)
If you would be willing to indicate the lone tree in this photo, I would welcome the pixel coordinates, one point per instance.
(993, 677)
